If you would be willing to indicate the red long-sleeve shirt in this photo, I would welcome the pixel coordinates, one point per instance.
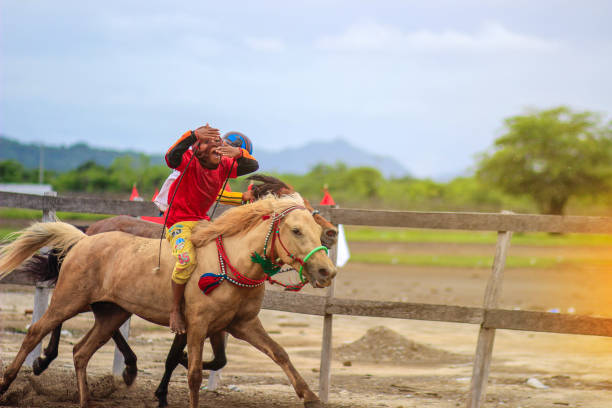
(199, 186)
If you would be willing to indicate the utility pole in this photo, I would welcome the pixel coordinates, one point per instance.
(41, 165)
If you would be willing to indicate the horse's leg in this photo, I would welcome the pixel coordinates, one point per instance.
(41, 363)
(254, 333)
(177, 356)
(129, 357)
(58, 312)
(195, 345)
(108, 318)
(217, 341)
(172, 360)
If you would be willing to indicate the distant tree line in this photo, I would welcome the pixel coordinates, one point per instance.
(11, 171)
(545, 161)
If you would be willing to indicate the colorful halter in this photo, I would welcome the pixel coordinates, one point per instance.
(267, 261)
(209, 281)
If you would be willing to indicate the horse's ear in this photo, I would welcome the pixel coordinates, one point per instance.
(307, 205)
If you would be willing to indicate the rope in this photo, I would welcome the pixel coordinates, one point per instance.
(178, 183)
(222, 189)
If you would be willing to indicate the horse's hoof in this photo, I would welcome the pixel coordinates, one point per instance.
(129, 375)
(161, 398)
(163, 403)
(313, 404)
(4, 384)
(37, 368)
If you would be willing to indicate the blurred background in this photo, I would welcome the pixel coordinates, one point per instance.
(425, 106)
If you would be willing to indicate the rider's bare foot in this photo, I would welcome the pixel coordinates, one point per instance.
(177, 323)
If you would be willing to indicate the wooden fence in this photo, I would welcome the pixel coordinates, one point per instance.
(489, 317)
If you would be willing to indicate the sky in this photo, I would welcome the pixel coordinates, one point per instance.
(428, 83)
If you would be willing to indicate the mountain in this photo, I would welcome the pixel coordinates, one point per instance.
(63, 158)
(300, 160)
(295, 160)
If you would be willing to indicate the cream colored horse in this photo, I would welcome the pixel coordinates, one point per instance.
(115, 273)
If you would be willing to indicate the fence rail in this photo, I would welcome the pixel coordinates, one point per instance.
(347, 216)
(489, 317)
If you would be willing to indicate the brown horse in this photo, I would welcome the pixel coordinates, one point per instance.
(47, 267)
(112, 272)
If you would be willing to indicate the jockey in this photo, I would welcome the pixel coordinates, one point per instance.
(226, 196)
(197, 190)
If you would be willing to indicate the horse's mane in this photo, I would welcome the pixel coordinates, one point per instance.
(242, 218)
(269, 185)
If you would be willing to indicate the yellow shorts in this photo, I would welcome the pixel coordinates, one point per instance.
(179, 236)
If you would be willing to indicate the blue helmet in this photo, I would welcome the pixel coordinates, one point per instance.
(237, 139)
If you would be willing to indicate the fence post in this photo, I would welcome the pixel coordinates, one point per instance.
(486, 336)
(326, 343)
(41, 294)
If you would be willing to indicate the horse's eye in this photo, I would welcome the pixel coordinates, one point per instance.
(296, 231)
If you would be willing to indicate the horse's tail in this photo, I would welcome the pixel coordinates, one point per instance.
(58, 235)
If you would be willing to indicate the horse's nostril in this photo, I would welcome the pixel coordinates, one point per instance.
(331, 233)
(323, 272)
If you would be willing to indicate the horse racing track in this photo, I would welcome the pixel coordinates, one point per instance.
(376, 362)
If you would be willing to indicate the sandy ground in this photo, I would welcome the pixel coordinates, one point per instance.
(422, 364)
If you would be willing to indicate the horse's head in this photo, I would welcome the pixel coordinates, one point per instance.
(329, 233)
(299, 245)
(272, 185)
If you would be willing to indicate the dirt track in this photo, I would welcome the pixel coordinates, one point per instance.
(431, 367)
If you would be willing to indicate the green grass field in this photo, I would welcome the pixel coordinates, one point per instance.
(470, 261)
(360, 234)
(36, 215)
(4, 232)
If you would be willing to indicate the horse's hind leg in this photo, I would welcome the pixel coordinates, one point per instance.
(41, 363)
(254, 333)
(130, 371)
(108, 318)
(175, 355)
(217, 341)
(59, 311)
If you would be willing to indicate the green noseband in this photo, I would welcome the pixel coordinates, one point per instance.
(319, 248)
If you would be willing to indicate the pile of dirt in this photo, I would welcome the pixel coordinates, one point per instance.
(57, 385)
(381, 344)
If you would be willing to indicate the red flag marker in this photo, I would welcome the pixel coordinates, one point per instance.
(327, 198)
(134, 194)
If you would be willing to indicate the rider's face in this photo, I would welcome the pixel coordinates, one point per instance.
(207, 152)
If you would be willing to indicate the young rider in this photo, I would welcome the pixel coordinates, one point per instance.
(226, 196)
(202, 179)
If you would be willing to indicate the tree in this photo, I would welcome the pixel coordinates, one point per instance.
(12, 171)
(551, 156)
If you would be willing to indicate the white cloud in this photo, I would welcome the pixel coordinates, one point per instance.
(386, 38)
(265, 44)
